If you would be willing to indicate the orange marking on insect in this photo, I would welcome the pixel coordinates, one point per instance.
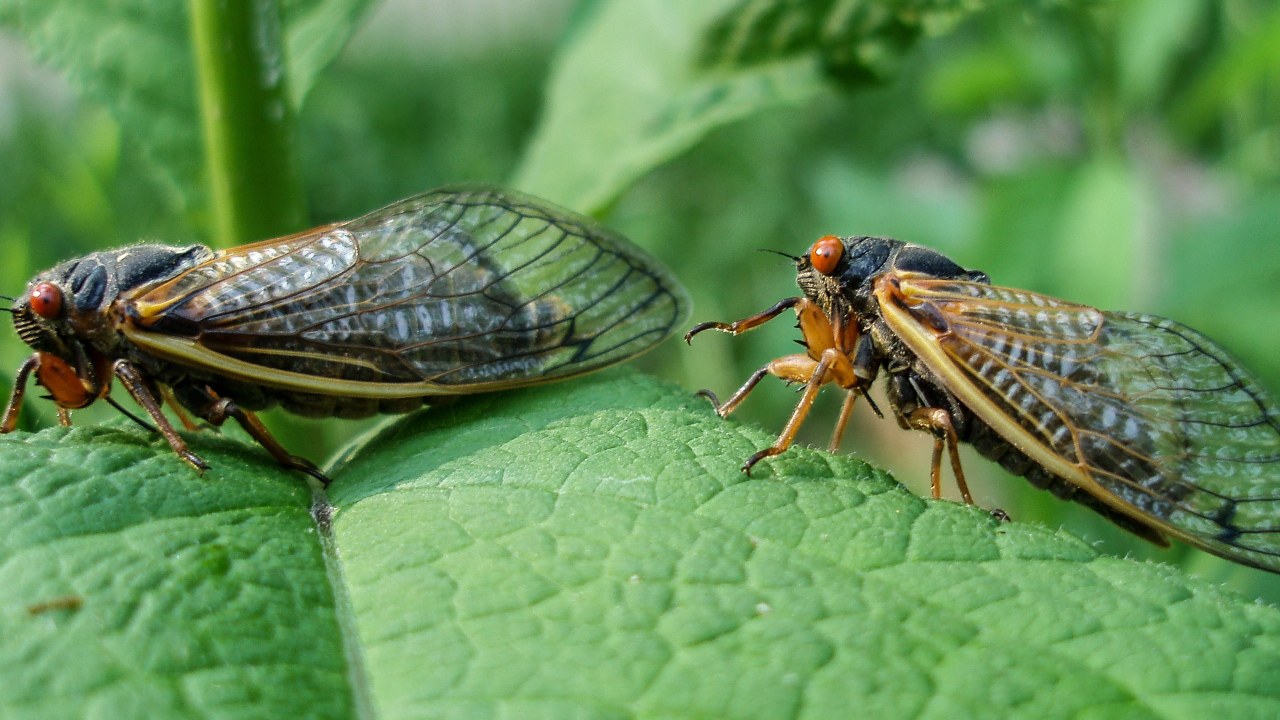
(63, 382)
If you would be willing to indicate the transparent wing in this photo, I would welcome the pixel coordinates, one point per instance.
(1154, 417)
(466, 289)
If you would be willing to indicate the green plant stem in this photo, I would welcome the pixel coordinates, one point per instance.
(247, 120)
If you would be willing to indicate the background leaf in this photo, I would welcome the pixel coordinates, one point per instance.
(625, 96)
(111, 51)
(580, 549)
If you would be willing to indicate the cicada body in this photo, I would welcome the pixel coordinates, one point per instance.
(1142, 419)
(450, 292)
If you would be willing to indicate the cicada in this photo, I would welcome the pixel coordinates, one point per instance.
(1141, 419)
(454, 291)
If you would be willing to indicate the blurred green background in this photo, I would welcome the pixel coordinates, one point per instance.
(1124, 154)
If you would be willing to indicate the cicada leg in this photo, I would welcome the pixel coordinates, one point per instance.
(169, 399)
(779, 367)
(728, 406)
(745, 324)
(846, 410)
(140, 389)
(937, 422)
(10, 422)
(798, 368)
(223, 408)
(792, 368)
(830, 357)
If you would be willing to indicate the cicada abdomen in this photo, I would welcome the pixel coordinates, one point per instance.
(450, 292)
(1142, 419)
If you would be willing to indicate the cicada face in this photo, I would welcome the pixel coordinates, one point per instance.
(1139, 418)
(65, 315)
(450, 292)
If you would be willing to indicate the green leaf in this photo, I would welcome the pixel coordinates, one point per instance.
(111, 51)
(626, 95)
(858, 41)
(134, 588)
(584, 549)
(1152, 37)
(1240, 73)
(642, 81)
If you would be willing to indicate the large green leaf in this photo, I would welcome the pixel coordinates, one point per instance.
(587, 549)
(627, 94)
(135, 57)
(641, 81)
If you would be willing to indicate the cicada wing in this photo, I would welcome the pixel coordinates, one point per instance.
(454, 290)
(1146, 414)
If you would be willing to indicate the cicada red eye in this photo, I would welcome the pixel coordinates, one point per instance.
(46, 300)
(826, 253)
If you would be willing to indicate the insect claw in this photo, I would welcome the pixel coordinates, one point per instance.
(724, 327)
(303, 465)
(715, 401)
(195, 461)
(761, 455)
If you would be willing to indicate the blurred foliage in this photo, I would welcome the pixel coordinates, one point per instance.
(1124, 154)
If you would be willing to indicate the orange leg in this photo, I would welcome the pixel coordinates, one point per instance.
(745, 324)
(178, 410)
(826, 360)
(788, 434)
(792, 368)
(834, 366)
(846, 410)
(938, 422)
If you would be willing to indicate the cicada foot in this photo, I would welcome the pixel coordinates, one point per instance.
(761, 455)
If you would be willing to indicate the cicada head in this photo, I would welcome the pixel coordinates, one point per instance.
(838, 273)
(65, 311)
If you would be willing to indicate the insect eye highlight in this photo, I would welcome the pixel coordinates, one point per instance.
(826, 253)
(46, 300)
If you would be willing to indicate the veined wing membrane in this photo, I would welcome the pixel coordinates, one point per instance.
(456, 290)
(1145, 413)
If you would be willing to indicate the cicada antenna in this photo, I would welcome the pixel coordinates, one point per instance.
(788, 256)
